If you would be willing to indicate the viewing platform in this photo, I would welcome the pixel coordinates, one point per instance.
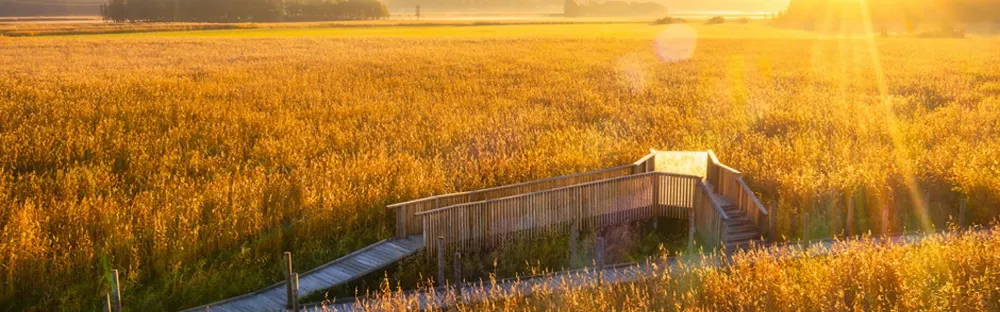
(721, 209)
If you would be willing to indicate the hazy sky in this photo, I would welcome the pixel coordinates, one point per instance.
(725, 5)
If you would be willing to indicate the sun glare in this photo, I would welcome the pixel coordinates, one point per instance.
(676, 43)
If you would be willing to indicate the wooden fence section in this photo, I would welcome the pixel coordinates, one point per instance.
(478, 225)
(407, 223)
(729, 183)
(710, 221)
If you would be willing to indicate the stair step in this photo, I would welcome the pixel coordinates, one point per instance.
(736, 215)
(721, 200)
(732, 209)
(742, 227)
(742, 236)
(731, 246)
(739, 221)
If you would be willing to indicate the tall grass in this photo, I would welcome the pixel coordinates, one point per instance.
(946, 272)
(191, 164)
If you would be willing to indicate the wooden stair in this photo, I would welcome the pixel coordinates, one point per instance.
(741, 231)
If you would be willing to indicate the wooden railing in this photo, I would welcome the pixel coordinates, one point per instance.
(478, 225)
(729, 183)
(645, 164)
(407, 223)
(710, 221)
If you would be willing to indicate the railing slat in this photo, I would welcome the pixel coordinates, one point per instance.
(414, 227)
(730, 184)
(605, 202)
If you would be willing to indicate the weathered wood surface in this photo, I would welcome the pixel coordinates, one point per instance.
(729, 183)
(709, 218)
(408, 224)
(690, 163)
(479, 291)
(439, 298)
(342, 270)
(722, 207)
(479, 225)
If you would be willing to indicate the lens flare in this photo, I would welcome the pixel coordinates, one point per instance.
(676, 43)
(631, 73)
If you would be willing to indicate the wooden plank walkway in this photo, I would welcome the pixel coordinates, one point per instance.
(693, 163)
(474, 292)
(479, 219)
(345, 269)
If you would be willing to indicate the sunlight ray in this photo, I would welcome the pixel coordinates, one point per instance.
(902, 153)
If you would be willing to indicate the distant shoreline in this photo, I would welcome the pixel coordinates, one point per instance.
(50, 19)
(444, 16)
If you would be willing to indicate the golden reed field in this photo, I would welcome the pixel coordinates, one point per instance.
(948, 272)
(190, 161)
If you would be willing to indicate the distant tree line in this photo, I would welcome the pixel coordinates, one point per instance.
(48, 8)
(477, 6)
(613, 8)
(242, 10)
(946, 13)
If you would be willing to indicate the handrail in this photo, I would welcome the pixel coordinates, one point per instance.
(593, 204)
(655, 173)
(756, 201)
(407, 224)
(514, 185)
(722, 213)
(645, 159)
(729, 183)
(715, 161)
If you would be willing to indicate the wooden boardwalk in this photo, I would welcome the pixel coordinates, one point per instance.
(342, 270)
(695, 186)
(439, 298)
(717, 202)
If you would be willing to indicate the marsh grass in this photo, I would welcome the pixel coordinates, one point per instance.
(953, 271)
(191, 164)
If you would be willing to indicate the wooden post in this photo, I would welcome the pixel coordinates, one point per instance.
(770, 223)
(457, 268)
(116, 292)
(401, 222)
(574, 235)
(850, 215)
(961, 212)
(295, 292)
(289, 292)
(691, 229)
(106, 302)
(656, 200)
(600, 253)
(805, 228)
(440, 247)
(600, 259)
(457, 273)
